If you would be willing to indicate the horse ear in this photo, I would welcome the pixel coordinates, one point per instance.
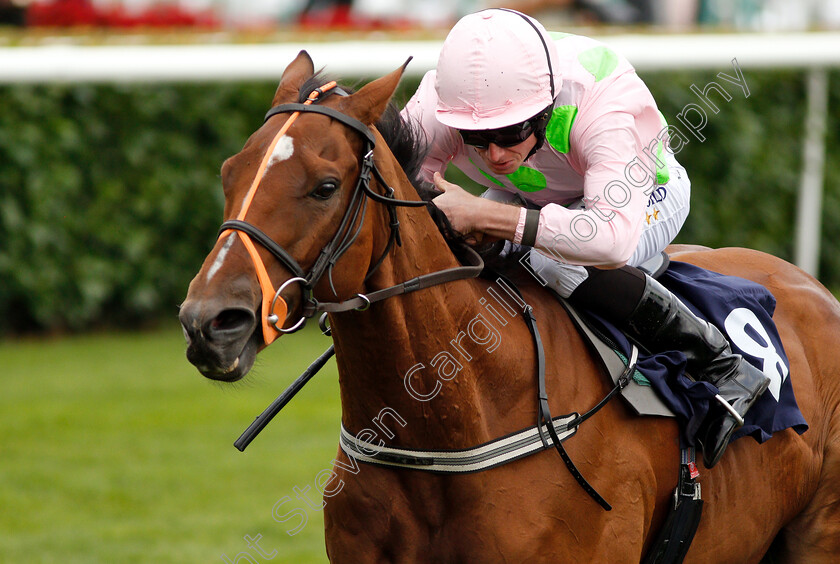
(295, 74)
(368, 104)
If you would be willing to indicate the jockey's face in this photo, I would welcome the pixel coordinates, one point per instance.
(506, 160)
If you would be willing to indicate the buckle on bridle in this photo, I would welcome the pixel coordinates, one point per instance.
(367, 167)
(322, 323)
(366, 305)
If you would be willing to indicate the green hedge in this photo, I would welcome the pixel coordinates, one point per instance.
(746, 175)
(110, 197)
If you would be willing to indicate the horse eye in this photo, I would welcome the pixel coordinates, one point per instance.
(325, 190)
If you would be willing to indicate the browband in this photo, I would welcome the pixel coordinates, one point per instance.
(334, 114)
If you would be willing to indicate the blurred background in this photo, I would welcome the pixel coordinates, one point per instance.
(115, 117)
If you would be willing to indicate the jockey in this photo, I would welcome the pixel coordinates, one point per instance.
(563, 125)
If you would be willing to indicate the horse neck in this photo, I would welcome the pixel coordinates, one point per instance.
(392, 356)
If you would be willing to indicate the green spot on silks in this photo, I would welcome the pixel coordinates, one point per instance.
(528, 179)
(559, 127)
(599, 61)
(486, 175)
(558, 34)
(663, 174)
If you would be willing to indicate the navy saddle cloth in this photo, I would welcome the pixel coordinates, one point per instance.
(743, 311)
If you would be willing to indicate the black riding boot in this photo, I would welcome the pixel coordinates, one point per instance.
(661, 322)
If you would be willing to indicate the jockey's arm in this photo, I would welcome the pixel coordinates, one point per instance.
(607, 147)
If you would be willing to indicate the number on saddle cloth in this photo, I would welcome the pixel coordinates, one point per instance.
(743, 311)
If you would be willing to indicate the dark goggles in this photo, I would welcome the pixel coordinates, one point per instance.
(503, 136)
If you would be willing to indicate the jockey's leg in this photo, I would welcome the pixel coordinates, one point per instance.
(659, 321)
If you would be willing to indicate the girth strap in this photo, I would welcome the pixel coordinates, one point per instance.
(461, 461)
(681, 524)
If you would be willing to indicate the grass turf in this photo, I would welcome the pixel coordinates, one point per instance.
(114, 449)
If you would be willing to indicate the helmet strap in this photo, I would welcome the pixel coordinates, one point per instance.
(539, 132)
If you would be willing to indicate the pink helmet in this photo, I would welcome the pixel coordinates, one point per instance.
(495, 69)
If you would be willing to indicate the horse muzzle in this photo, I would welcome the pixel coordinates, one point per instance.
(222, 342)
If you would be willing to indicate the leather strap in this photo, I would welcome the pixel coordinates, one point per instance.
(353, 123)
(460, 461)
(418, 283)
(544, 414)
(544, 419)
(269, 412)
(267, 242)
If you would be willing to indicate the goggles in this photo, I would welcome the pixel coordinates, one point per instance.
(504, 136)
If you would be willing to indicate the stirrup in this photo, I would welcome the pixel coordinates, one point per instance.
(728, 407)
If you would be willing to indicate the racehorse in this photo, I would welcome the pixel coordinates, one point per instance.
(444, 367)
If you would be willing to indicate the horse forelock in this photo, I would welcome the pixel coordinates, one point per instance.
(314, 82)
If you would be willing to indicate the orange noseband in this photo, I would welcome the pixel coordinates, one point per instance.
(274, 307)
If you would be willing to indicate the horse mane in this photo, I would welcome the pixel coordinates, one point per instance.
(409, 145)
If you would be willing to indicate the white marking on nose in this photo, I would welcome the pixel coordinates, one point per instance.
(220, 258)
(282, 150)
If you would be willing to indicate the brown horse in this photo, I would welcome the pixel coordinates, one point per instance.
(530, 510)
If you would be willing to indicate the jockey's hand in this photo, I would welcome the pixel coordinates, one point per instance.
(478, 219)
(459, 206)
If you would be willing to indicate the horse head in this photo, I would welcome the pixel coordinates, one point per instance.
(295, 229)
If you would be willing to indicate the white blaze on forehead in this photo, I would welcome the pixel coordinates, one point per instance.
(282, 151)
(220, 258)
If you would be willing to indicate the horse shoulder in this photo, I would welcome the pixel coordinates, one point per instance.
(644, 448)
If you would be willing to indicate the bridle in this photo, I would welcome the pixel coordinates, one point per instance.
(341, 241)
(274, 307)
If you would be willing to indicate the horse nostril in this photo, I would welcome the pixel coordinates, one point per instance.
(230, 321)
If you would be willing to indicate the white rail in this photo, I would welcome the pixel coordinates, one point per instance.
(180, 63)
(811, 52)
